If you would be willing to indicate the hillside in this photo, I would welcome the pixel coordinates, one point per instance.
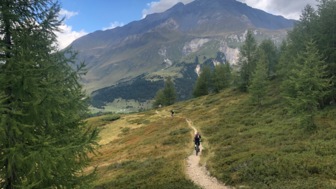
(244, 145)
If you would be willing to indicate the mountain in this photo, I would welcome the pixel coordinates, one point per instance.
(131, 62)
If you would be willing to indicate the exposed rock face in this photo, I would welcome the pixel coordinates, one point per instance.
(230, 53)
(194, 45)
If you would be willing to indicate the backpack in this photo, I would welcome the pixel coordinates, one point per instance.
(197, 137)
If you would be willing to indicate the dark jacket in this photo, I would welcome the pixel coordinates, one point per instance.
(197, 139)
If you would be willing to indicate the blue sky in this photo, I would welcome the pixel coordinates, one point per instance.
(86, 16)
(92, 15)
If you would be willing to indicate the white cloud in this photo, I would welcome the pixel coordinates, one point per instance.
(67, 14)
(287, 8)
(161, 6)
(113, 25)
(67, 36)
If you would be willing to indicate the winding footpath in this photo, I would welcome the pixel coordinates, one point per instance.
(198, 174)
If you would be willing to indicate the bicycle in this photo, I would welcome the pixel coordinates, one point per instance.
(197, 148)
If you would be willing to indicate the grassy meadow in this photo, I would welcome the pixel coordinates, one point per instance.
(244, 145)
(142, 150)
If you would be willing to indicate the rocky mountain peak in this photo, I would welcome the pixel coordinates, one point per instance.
(167, 43)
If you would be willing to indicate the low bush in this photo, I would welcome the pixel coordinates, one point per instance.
(111, 117)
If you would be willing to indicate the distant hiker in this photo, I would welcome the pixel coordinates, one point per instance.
(172, 113)
(197, 139)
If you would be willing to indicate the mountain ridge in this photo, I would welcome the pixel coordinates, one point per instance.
(159, 43)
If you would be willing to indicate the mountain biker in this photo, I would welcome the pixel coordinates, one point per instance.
(172, 113)
(197, 139)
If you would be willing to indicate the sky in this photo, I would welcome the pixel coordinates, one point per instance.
(86, 16)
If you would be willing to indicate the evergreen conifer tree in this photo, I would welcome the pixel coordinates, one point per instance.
(271, 52)
(260, 80)
(202, 85)
(247, 61)
(285, 60)
(303, 31)
(169, 92)
(326, 39)
(159, 99)
(221, 77)
(319, 26)
(307, 84)
(44, 142)
(167, 95)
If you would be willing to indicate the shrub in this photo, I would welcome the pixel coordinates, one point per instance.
(111, 117)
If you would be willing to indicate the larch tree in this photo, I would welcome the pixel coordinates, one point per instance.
(320, 26)
(44, 142)
(203, 83)
(326, 39)
(167, 95)
(285, 60)
(271, 52)
(247, 60)
(221, 77)
(169, 91)
(159, 99)
(259, 81)
(303, 30)
(307, 84)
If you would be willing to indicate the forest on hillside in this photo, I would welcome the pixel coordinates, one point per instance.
(303, 67)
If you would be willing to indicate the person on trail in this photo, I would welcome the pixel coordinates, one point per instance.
(172, 113)
(197, 139)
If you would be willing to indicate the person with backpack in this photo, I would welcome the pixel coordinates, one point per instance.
(172, 113)
(197, 141)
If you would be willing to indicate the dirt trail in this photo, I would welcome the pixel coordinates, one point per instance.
(198, 174)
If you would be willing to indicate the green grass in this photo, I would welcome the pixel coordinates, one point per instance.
(262, 147)
(148, 152)
(245, 145)
(149, 173)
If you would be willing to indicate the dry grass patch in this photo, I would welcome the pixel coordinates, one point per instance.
(154, 144)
